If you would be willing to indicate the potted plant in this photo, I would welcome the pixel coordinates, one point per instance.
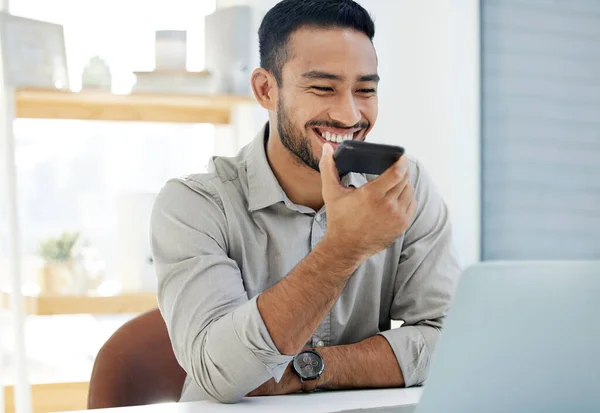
(57, 272)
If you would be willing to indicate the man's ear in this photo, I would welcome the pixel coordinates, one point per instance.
(264, 87)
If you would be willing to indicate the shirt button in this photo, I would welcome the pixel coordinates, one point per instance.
(320, 344)
(318, 218)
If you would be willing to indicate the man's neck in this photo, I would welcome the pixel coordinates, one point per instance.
(301, 184)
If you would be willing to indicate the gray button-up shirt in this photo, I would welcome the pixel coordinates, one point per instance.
(221, 238)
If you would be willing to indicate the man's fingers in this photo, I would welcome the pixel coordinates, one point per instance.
(330, 178)
(412, 207)
(396, 191)
(390, 178)
(407, 196)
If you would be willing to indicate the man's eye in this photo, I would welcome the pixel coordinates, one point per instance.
(367, 91)
(322, 88)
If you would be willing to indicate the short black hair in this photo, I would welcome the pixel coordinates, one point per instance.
(288, 16)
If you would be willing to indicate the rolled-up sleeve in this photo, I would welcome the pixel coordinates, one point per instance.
(426, 280)
(217, 332)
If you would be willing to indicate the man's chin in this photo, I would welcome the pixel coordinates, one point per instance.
(313, 163)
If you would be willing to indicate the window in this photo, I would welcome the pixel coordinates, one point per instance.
(541, 129)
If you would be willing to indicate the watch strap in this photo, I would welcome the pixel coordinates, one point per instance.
(309, 386)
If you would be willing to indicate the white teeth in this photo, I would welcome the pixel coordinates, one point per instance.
(335, 138)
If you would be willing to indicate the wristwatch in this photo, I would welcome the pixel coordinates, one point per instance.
(309, 366)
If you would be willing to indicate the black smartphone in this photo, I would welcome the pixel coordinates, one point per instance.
(365, 157)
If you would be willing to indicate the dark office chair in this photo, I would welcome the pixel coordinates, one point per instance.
(136, 366)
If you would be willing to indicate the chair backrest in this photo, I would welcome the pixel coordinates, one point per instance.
(136, 366)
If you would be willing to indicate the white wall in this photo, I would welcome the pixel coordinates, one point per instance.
(260, 4)
(429, 97)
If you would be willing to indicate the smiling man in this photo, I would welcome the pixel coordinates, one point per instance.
(275, 276)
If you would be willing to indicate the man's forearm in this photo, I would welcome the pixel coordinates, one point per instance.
(368, 364)
(294, 307)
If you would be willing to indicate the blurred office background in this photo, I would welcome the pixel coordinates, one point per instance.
(500, 99)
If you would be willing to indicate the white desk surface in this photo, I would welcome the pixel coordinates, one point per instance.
(319, 402)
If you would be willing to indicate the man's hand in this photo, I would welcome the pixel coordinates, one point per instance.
(360, 223)
(366, 220)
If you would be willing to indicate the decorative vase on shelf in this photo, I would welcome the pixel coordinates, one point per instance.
(96, 75)
(54, 278)
(170, 50)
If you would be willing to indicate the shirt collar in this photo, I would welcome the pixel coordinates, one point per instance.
(263, 188)
(354, 179)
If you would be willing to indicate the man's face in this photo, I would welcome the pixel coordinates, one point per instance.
(328, 91)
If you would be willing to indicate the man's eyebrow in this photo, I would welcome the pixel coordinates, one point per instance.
(369, 78)
(317, 74)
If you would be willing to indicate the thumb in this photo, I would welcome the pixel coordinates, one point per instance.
(330, 179)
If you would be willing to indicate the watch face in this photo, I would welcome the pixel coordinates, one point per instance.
(309, 364)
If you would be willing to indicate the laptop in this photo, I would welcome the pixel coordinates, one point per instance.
(520, 337)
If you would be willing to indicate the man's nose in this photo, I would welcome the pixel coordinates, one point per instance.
(345, 110)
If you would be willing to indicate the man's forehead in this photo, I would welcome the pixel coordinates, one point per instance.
(322, 40)
(339, 52)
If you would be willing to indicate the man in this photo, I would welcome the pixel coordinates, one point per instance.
(269, 254)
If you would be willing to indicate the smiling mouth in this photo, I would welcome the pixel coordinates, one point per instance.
(337, 136)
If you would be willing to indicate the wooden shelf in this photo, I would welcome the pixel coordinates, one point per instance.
(51, 397)
(72, 304)
(139, 107)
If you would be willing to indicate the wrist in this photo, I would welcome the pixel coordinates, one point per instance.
(340, 258)
(326, 381)
(291, 381)
(294, 383)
